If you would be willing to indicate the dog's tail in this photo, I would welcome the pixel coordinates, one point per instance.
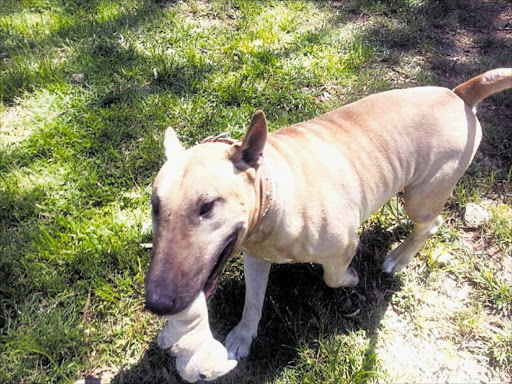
(478, 88)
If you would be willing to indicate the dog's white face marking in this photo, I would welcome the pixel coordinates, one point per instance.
(202, 207)
(170, 175)
(201, 187)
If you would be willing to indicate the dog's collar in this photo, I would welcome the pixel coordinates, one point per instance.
(266, 193)
(266, 182)
(222, 138)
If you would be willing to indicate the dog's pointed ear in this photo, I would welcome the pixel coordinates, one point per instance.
(172, 144)
(251, 149)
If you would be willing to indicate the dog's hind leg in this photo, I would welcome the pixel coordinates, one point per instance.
(401, 255)
(423, 208)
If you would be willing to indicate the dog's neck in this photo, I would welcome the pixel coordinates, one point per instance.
(266, 193)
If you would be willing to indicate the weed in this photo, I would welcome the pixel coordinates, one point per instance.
(501, 349)
(499, 228)
(497, 291)
(469, 320)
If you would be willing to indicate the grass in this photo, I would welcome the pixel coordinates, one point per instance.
(87, 89)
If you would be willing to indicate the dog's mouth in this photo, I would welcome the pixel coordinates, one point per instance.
(227, 251)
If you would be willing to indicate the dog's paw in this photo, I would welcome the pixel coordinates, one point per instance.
(165, 339)
(238, 343)
(392, 265)
(351, 278)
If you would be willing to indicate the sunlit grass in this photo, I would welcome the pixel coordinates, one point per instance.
(499, 227)
(87, 89)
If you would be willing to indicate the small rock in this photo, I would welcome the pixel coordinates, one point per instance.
(78, 77)
(474, 215)
(325, 96)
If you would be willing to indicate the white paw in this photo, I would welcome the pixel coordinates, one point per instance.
(392, 265)
(351, 278)
(207, 362)
(238, 343)
(165, 339)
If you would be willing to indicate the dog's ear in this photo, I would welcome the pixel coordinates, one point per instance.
(171, 143)
(251, 149)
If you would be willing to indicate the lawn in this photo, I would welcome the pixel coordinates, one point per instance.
(87, 89)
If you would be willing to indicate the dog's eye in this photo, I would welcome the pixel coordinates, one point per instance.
(206, 208)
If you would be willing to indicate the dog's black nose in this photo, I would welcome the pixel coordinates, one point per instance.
(159, 304)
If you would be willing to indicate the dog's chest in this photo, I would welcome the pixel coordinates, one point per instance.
(270, 254)
(308, 247)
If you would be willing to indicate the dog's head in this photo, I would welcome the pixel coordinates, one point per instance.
(205, 200)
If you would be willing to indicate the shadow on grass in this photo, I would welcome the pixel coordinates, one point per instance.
(300, 315)
(110, 140)
(99, 150)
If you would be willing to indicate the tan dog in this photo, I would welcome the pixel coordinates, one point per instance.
(300, 194)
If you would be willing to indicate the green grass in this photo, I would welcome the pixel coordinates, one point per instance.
(87, 89)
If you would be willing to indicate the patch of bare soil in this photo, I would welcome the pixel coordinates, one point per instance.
(443, 336)
(480, 32)
(480, 29)
(426, 345)
(202, 14)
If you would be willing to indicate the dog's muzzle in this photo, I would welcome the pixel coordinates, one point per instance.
(160, 303)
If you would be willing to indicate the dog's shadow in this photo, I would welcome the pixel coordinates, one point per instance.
(300, 312)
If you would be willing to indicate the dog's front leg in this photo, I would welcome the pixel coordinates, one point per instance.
(239, 340)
